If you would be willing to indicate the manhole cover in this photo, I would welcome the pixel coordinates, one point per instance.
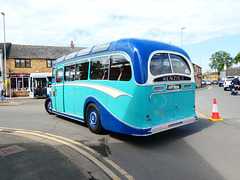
(11, 150)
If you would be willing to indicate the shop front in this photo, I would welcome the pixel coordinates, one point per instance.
(19, 84)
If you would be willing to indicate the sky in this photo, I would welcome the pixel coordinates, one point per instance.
(200, 27)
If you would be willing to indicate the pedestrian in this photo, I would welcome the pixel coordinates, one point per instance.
(2, 90)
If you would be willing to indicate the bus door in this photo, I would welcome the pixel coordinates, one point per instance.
(184, 104)
(162, 108)
(58, 88)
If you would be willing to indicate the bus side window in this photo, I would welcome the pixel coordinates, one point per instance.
(99, 68)
(59, 78)
(82, 71)
(69, 73)
(120, 69)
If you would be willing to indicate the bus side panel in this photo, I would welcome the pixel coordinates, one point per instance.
(112, 123)
(130, 109)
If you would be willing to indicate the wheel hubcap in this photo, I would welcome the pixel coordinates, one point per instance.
(93, 118)
(49, 105)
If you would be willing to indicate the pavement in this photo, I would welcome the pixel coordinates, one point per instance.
(23, 158)
(26, 154)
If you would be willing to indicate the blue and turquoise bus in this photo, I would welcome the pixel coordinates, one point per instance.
(129, 86)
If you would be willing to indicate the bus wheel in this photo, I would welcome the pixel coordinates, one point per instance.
(48, 105)
(93, 119)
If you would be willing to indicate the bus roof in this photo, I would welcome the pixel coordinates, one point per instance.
(138, 50)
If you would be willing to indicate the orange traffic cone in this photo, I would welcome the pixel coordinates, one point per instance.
(215, 114)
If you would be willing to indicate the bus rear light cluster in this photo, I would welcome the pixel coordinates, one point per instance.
(148, 119)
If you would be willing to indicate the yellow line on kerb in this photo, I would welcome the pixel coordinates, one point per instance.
(71, 143)
(118, 168)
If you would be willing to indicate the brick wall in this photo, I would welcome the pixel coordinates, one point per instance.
(37, 65)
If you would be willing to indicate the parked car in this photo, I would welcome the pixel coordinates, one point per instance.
(214, 82)
(208, 83)
(203, 82)
(220, 83)
(227, 82)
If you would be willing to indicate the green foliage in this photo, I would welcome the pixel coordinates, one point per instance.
(219, 59)
(237, 58)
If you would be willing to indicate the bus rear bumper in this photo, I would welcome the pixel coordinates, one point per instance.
(173, 124)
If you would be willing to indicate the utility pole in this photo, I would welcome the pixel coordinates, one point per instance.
(5, 51)
(182, 36)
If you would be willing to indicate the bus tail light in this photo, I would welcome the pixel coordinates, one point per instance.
(148, 119)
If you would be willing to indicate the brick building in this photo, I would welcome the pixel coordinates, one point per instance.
(22, 60)
(197, 75)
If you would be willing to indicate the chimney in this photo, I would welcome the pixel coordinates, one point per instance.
(71, 45)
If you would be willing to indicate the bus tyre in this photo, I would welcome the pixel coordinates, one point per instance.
(48, 105)
(93, 119)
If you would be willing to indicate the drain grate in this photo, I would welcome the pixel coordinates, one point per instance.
(11, 150)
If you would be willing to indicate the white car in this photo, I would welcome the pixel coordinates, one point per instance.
(227, 82)
(208, 82)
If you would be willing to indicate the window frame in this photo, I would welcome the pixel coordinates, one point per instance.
(68, 71)
(57, 77)
(102, 71)
(170, 61)
(77, 72)
(48, 63)
(23, 63)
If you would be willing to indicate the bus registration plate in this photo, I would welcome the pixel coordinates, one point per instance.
(174, 87)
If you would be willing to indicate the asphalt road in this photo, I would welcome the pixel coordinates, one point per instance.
(203, 150)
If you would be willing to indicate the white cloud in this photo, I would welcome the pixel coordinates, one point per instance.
(57, 22)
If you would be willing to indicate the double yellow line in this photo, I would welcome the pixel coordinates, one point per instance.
(79, 147)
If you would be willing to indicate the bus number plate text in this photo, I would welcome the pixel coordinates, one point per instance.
(174, 87)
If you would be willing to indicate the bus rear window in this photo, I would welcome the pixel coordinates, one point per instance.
(179, 65)
(160, 64)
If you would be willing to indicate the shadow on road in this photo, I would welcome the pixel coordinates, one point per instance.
(164, 137)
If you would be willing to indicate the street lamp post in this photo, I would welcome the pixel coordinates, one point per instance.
(5, 54)
(182, 35)
(201, 57)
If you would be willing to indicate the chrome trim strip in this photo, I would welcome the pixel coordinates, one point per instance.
(168, 92)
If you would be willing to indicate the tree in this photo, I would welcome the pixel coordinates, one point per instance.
(219, 59)
(237, 58)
